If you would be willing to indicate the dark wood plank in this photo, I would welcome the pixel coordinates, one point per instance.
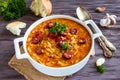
(68, 7)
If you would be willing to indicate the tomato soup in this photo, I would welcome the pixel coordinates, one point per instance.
(58, 42)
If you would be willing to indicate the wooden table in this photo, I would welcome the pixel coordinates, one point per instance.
(68, 7)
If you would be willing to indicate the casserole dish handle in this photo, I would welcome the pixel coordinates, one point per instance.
(95, 29)
(18, 53)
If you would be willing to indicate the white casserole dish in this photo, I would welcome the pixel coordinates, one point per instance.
(64, 71)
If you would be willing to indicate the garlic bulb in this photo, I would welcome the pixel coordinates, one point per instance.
(100, 61)
(108, 21)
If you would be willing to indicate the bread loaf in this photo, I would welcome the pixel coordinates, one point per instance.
(15, 27)
(41, 7)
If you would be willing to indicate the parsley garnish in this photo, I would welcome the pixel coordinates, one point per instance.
(58, 28)
(65, 46)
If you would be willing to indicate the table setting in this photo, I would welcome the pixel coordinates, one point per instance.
(59, 40)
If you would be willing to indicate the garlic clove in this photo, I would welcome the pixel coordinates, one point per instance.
(100, 9)
(105, 22)
(114, 16)
(108, 21)
(113, 20)
(100, 61)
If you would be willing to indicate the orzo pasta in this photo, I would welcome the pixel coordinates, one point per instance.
(58, 42)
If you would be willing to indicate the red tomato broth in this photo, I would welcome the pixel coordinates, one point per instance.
(52, 55)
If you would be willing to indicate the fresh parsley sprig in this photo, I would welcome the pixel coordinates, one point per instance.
(101, 69)
(12, 9)
(65, 46)
(58, 28)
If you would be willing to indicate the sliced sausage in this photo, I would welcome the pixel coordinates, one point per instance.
(52, 35)
(67, 55)
(60, 40)
(64, 34)
(37, 37)
(39, 50)
(73, 31)
(50, 24)
(82, 41)
(35, 40)
(39, 34)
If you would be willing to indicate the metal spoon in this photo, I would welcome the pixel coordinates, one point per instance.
(107, 46)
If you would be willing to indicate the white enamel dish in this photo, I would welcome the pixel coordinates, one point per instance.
(51, 71)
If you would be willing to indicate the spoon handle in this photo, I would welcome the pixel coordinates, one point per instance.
(107, 51)
(108, 43)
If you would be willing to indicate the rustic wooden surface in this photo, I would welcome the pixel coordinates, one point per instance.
(68, 7)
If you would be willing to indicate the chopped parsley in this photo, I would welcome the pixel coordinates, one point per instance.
(58, 28)
(65, 46)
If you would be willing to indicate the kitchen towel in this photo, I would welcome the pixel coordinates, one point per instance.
(24, 67)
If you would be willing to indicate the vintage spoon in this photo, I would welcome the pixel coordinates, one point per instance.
(107, 46)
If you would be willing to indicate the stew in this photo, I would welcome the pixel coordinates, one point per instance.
(58, 42)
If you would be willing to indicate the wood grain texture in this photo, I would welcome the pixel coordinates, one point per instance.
(68, 7)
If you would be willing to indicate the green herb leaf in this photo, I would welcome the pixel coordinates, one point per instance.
(65, 46)
(58, 28)
(3, 6)
(53, 30)
(12, 9)
(100, 69)
(57, 23)
(62, 28)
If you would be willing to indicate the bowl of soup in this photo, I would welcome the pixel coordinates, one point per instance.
(57, 45)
